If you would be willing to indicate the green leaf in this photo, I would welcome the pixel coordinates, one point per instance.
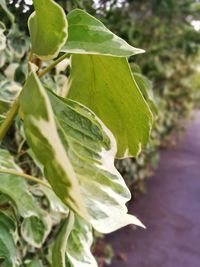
(35, 263)
(87, 35)
(146, 88)
(72, 245)
(21, 72)
(2, 118)
(108, 88)
(59, 248)
(8, 250)
(48, 29)
(4, 106)
(91, 149)
(43, 138)
(35, 226)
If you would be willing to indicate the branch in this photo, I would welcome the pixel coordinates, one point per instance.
(9, 118)
(51, 66)
(15, 107)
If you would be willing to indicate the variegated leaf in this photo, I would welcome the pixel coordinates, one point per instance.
(48, 29)
(91, 149)
(87, 35)
(79, 244)
(42, 136)
(36, 225)
(8, 248)
(8, 93)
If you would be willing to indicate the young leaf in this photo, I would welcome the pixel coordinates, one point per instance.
(48, 29)
(35, 226)
(106, 85)
(60, 245)
(87, 35)
(43, 138)
(8, 250)
(91, 149)
(72, 245)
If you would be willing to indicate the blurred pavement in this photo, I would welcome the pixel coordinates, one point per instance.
(170, 209)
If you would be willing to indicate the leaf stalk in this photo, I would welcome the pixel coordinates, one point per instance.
(25, 176)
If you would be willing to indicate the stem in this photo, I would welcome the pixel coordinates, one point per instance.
(51, 66)
(9, 118)
(26, 176)
(15, 107)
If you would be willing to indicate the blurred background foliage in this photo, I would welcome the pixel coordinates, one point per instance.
(168, 74)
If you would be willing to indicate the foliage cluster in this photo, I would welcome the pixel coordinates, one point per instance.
(66, 135)
(37, 228)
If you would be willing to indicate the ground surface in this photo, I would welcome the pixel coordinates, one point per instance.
(170, 209)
